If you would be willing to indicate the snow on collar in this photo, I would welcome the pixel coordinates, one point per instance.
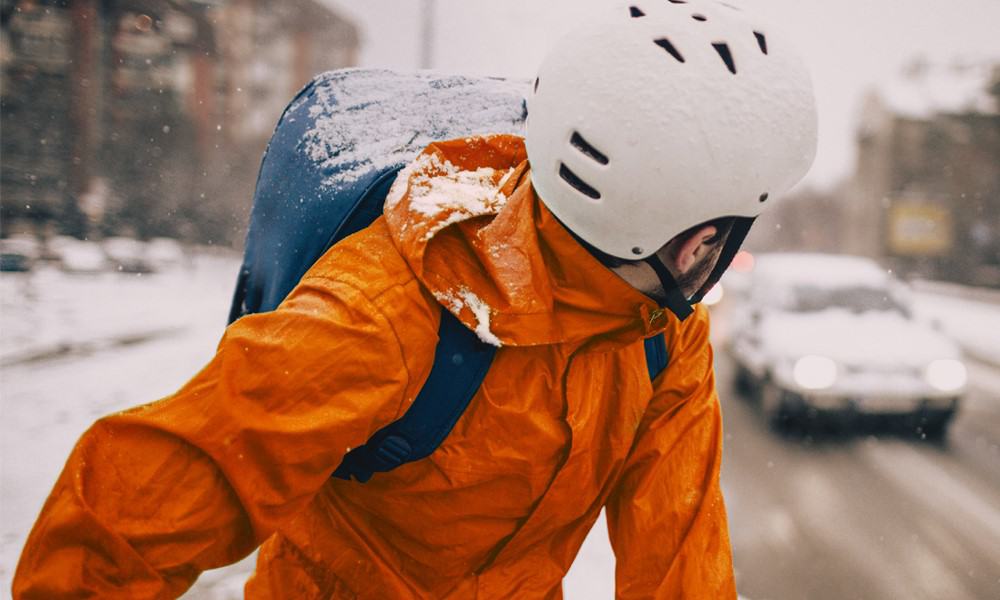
(464, 298)
(466, 219)
(447, 184)
(444, 194)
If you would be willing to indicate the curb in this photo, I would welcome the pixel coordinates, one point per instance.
(86, 347)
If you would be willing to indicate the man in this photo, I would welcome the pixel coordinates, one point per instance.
(655, 138)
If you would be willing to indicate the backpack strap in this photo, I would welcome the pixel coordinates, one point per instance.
(367, 207)
(461, 362)
(656, 355)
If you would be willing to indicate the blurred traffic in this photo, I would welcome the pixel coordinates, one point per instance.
(862, 417)
(23, 253)
(823, 340)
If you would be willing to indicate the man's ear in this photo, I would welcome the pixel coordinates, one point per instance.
(692, 248)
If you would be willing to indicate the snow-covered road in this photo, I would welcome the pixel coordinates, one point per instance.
(78, 347)
(867, 518)
(870, 516)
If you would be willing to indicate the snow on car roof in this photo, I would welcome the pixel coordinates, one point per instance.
(820, 270)
(926, 89)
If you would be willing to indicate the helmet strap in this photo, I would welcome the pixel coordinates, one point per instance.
(674, 299)
(733, 244)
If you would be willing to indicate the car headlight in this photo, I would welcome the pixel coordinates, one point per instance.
(946, 375)
(814, 372)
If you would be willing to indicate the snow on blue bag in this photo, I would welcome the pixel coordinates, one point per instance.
(335, 153)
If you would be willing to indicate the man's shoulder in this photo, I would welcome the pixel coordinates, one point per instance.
(369, 262)
(380, 283)
(693, 333)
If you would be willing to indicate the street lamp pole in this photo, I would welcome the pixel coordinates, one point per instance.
(427, 35)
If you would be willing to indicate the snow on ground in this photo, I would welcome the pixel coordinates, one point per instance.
(974, 324)
(47, 313)
(77, 347)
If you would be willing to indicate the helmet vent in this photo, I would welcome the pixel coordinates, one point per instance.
(666, 45)
(761, 41)
(635, 12)
(584, 146)
(578, 184)
(678, 1)
(698, 17)
(726, 55)
(536, 85)
(763, 197)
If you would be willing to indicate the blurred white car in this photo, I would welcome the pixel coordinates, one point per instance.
(127, 255)
(831, 338)
(78, 256)
(18, 253)
(165, 252)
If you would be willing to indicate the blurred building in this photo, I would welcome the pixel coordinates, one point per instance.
(926, 193)
(808, 220)
(148, 117)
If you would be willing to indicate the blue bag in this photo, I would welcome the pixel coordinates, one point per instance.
(333, 156)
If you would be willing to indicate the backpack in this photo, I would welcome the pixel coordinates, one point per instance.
(327, 169)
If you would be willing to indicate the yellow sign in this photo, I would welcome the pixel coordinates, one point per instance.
(919, 229)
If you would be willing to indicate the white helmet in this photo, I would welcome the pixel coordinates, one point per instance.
(675, 114)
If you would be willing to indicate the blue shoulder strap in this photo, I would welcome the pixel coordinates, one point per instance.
(656, 355)
(461, 362)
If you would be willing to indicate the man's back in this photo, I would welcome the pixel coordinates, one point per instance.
(502, 506)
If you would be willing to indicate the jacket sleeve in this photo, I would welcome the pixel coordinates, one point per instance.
(152, 496)
(666, 516)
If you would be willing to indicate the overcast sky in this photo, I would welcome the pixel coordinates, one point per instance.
(850, 45)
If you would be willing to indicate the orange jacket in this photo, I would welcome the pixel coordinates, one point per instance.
(565, 423)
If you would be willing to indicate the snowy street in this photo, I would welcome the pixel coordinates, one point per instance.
(865, 517)
(874, 516)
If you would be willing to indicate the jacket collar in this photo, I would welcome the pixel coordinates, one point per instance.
(466, 218)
